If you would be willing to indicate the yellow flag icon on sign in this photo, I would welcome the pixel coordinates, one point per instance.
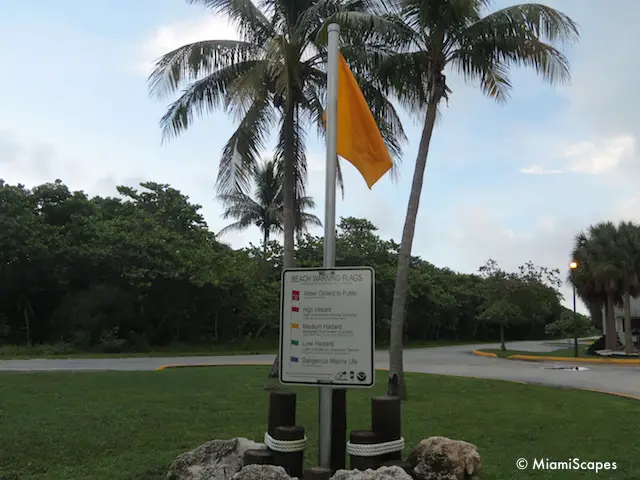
(359, 139)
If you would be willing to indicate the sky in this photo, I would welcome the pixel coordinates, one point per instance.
(514, 182)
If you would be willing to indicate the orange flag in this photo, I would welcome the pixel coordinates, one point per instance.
(359, 139)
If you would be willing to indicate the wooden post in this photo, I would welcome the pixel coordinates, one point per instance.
(257, 457)
(282, 410)
(363, 437)
(290, 461)
(386, 421)
(339, 430)
(317, 473)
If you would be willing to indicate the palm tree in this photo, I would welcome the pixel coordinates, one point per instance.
(265, 208)
(274, 75)
(441, 34)
(608, 273)
(599, 273)
(628, 250)
(586, 287)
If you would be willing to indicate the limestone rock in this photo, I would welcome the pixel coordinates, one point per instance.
(382, 473)
(214, 460)
(262, 472)
(441, 458)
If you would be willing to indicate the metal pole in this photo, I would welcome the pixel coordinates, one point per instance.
(326, 393)
(575, 325)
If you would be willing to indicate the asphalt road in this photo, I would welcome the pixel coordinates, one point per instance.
(456, 360)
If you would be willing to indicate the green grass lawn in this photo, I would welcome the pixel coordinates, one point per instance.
(131, 425)
(563, 352)
(253, 347)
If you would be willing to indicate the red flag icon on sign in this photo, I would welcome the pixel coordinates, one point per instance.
(295, 309)
(295, 295)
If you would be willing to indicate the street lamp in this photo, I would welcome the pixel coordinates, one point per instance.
(573, 266)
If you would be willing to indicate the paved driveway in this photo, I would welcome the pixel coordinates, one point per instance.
(457, 360)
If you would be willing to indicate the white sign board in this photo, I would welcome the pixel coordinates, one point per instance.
(327, 327)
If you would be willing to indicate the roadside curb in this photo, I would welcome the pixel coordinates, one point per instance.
(521, 382)
(197, 365)
(594, 361)
(615, 394)
(480, 353)
(540, 358)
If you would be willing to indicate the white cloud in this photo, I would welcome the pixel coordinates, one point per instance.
(540, 170)
(170, 37)
(597, 157)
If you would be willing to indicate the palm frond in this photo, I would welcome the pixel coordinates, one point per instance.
(242, 151)
(493, 76)
(252, 23)
(437, 17)
(238, 226)
(532, 19)
(190, 62)
(248, 85)
(306, 203)
(312, 18)
(203, 96)
(308, 219)
(312, 102)
(237, 204)
(366, 28)
(514, 36)
(404, 77)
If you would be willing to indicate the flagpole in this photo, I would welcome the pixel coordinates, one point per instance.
(326, 393)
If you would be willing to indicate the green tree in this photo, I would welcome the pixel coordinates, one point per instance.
(570, 325)
(265, 208)
(443, 34)
(539, 297)
(30, 269)
(502, 292)
(501, 313)
(167, 205)
(142, 271)
(122, 273)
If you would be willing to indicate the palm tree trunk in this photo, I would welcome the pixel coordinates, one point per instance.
(288, 189)
(27, 325)
(288, 207)
(396, 385)
(265, 242)
(595, 312)
(612, 336)
(628, 337)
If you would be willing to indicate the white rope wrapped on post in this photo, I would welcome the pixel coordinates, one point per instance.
(285, 446)
(375, 449)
